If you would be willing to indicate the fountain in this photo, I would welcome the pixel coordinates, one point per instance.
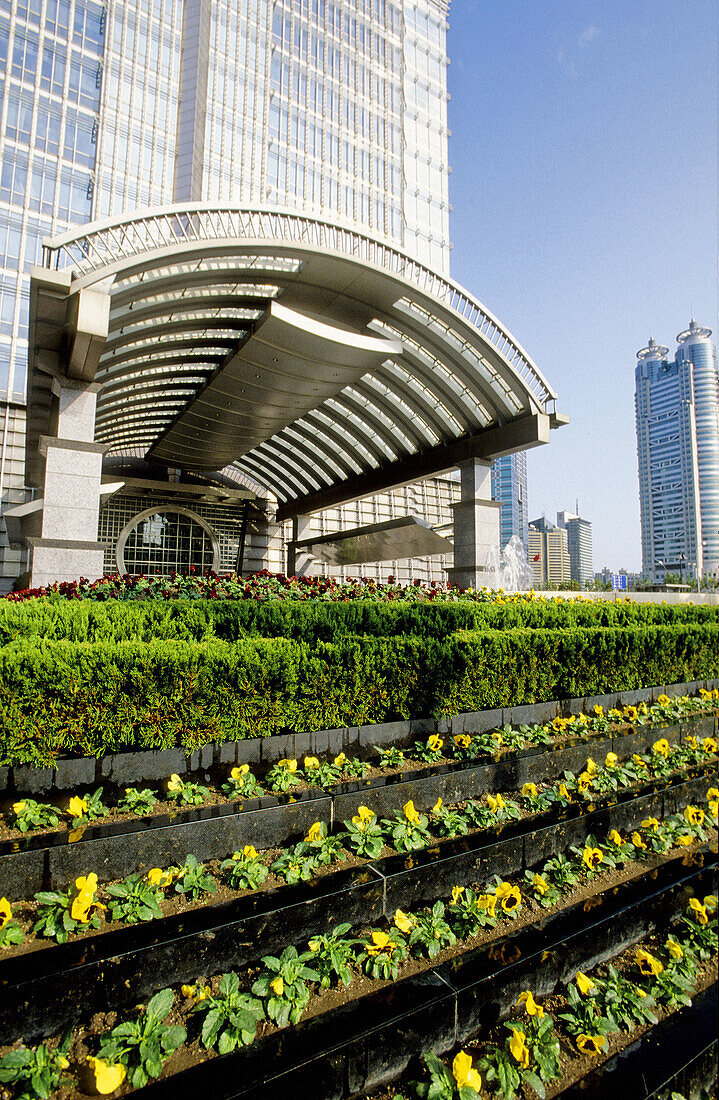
(510, 569)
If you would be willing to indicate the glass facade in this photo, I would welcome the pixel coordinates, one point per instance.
(509, 484)
(677, 413)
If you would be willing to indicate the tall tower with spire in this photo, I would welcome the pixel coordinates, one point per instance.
(677, 417)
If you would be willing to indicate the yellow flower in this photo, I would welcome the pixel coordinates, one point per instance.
(584, 781)
(17, 808)
(699, 910)
(174, 783)
(674, 949)
(685, 840)
(638, 760)
(363, 817)
(592, 857)
(108, 1075)
(488, 902)
(339, 761)
(77, 806)
(713, 794)
(693, 815)
(611, 760)
(435, 742)
(661, 747)
(437, 806)
(692, 742)
(650, 823)
(531, 1006)
(380, 942)
(631, 713)
(463, 1073)
(518, 1048)
(462, 740)
(584, 984)
(714, 807)
(540, 884)
(187, 990)
(663, 700)
(591, 766)
(5, 911)
(403, 922)
(709, 744)
(311, 762)
(591, 1044)
(616, 838)
(599, 710)
(647, 963)
(250, 852)
(638, 842)
(563, 792)
(315, 833)
(710, 902)
(410, 813)
(529, 790)
(157, 877)
(457, 892)
(62, 1061)
(288, 765)
(277, 985)
(495, 803)
(510, 896)
(238, 773)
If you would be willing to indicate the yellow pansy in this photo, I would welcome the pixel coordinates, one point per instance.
(647, 963)
(638, 842)
(661, 747)
(518, 1048)
(238, 773)
(699, 910)
(462, 740)
(174, 783)
(410, 813)
(650, 823)
(638, 760)
(585, 985)
(77, 806)
(17, 808)
(615, 838)
(277, 985)
(710, 902)
(611, 760)
(598, 710)
(380, 942)
(463, 1073)
(509, 895)
(584, 781)
(287, 765)
(250, 852)
(157, 877)
(714, 807)
(315, 833)
(437, 806)
(495, 802)
(591, 766)
(187, 990)
(663, 700)
(693, 815)
(713, 794)
(108, 1075)
(592, 857)
(340, 760)
(5, 912)
(311, 762)
(457, 892)
(403, 922)
(363, 817)
(488, 902)
(529, 790)
(709, 744)
(674, 949)
(540, 884)
(692, 742)
(591, 1044)
(533, 1009)
(435, 742)
(631, 713)
(685, 840)
(563, 792)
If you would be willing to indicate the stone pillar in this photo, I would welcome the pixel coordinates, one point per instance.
(476, 525)
(299, 563)
(67, 547)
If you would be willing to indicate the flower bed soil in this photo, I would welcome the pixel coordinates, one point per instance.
(359, 1044)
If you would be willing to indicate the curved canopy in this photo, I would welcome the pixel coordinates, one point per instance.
(322, 364)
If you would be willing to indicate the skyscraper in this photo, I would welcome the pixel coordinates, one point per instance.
(579, 546)
(677, 416)
(549, 553)
(509, 485)
(334, 110)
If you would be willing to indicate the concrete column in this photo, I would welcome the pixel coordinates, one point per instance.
(299, 563)
(476, 525)
(67, 547)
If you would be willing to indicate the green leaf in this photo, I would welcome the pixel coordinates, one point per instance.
(160, 1004)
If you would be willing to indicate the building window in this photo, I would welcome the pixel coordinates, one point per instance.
(169, 540)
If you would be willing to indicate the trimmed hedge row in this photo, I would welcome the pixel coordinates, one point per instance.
(201, 620)
(65, 697)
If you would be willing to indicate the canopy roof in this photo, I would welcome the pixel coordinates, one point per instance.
(319, 363)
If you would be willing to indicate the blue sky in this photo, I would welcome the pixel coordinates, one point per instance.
(584, 187)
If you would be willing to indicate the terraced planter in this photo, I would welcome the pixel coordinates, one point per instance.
(50, 860)
(368, 1042)
(43, 988)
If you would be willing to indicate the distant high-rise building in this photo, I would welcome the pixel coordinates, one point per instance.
(677, 416)
(509, 485)
(549, 553)
(579, 544)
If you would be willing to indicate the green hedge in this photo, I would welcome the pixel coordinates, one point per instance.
(202, 620)
(66, 697)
